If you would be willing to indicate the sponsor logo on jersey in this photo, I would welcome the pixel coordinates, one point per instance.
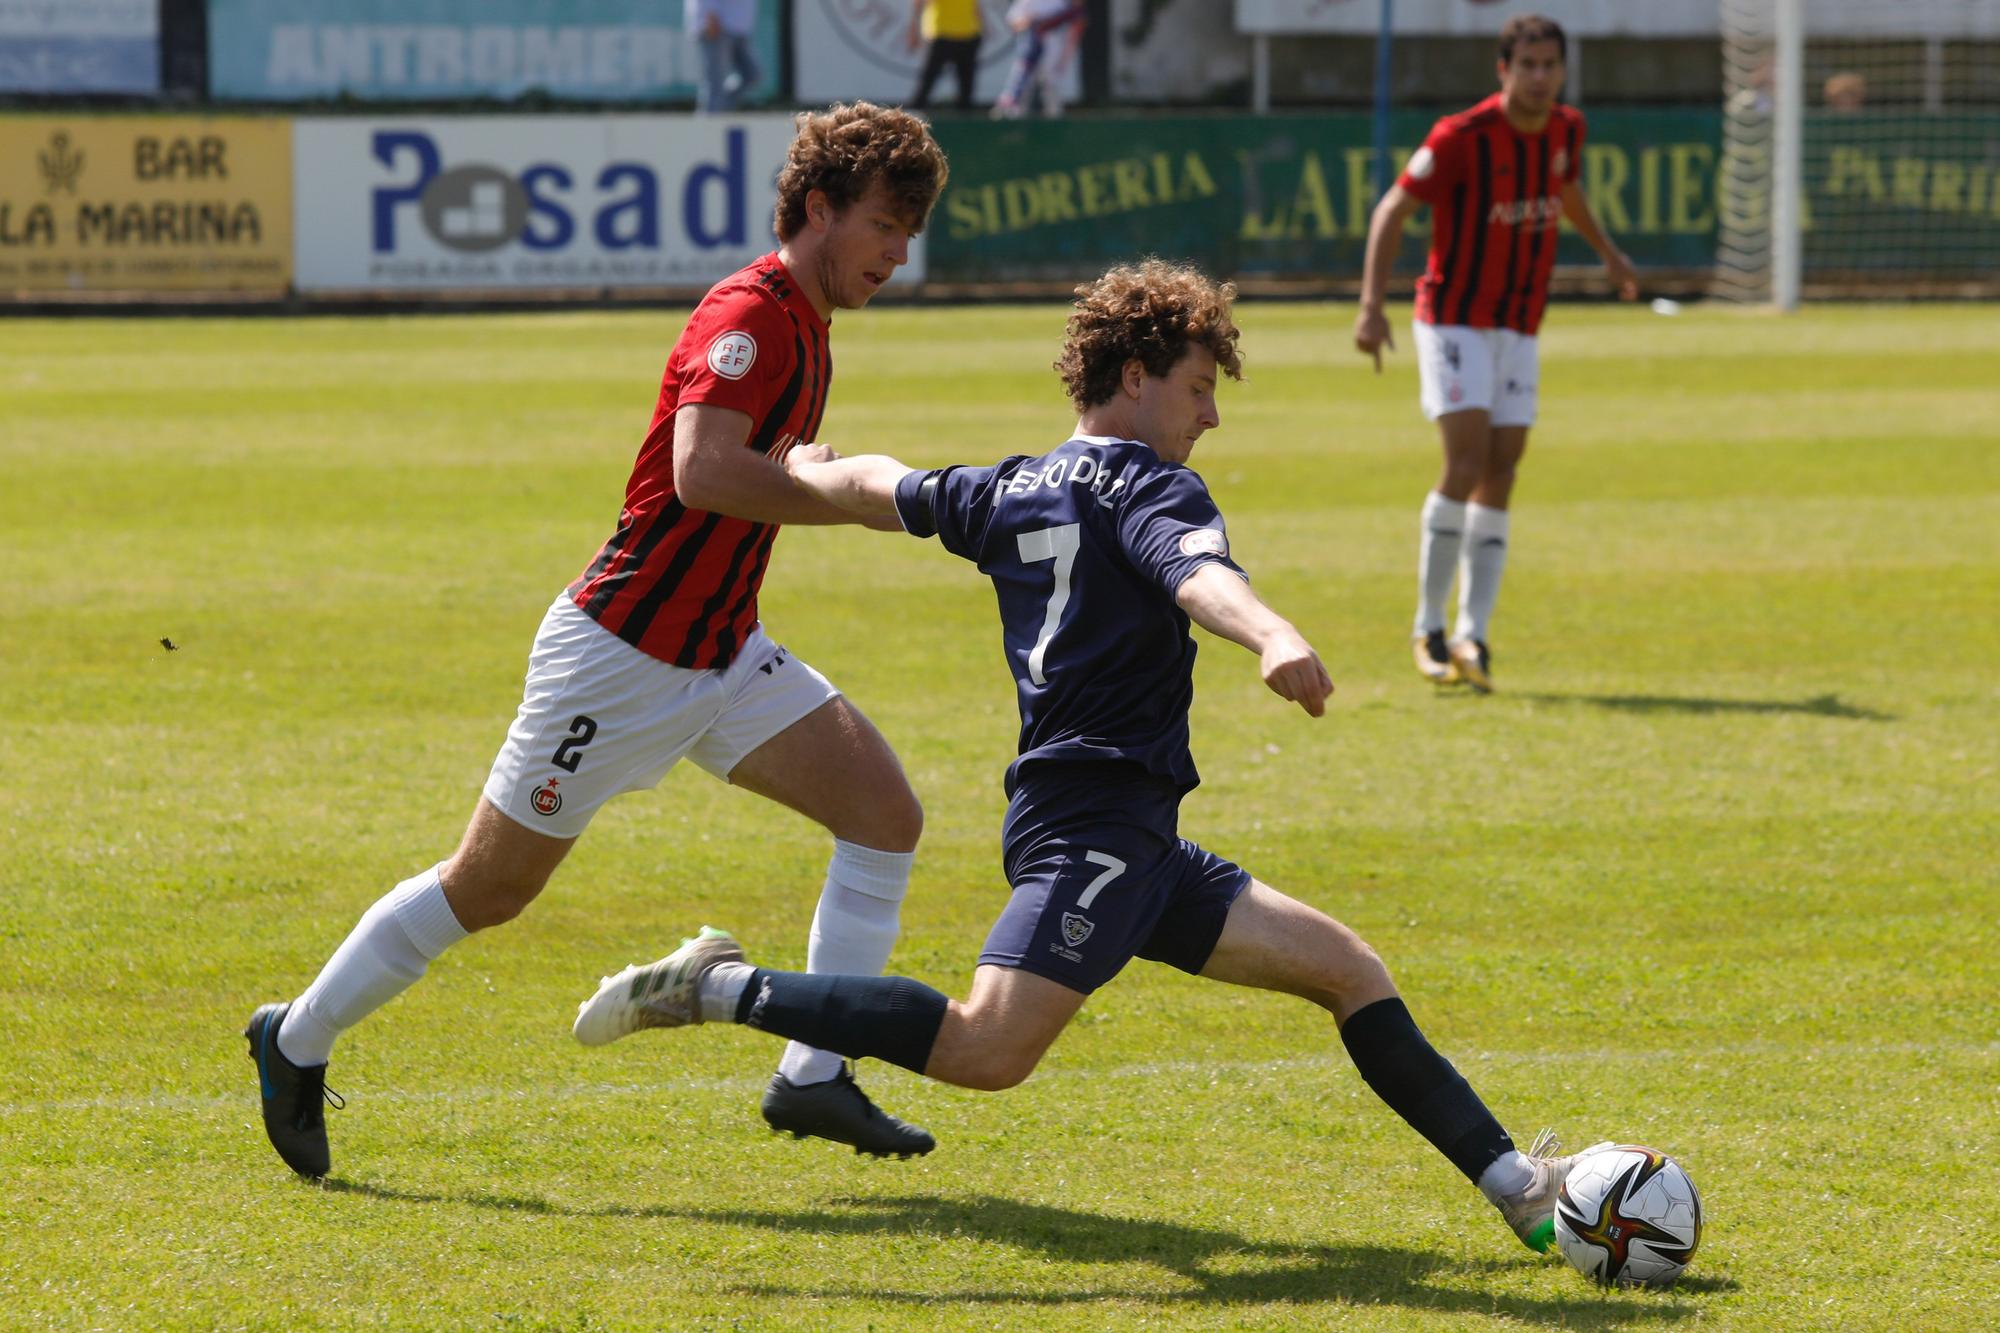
(1422, 164)
(546, 799)
(732, 354)
(1542, 211)
(1204, 541)
(1076, 929)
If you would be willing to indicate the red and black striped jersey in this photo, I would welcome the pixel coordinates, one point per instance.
(680, 583)
(1496, 202)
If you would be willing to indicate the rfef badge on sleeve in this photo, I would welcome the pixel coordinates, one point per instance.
(732, 354)
(1204, 541)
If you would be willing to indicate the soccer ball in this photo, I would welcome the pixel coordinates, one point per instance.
(1628, 1217)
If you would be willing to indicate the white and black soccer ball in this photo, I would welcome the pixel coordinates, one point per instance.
(1628, 1216)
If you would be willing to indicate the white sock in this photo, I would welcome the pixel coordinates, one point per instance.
(1509, 1174)
(1437, 557)
(1484, 558)
(381, 958)
(722, 990)
(852, 932)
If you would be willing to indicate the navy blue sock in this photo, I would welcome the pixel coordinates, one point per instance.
(890, 1018)
(1421, 1086)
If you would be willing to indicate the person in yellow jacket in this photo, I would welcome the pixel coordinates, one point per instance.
(951, 27)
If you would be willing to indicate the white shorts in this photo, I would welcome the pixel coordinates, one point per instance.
(599, 718)
(1493, 370)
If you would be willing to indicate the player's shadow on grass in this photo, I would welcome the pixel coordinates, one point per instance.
(1216, 1267)
(1823, 705)
(1219, 1267)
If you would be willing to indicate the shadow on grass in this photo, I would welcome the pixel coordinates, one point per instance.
(1221, 1268)
(1823, 705)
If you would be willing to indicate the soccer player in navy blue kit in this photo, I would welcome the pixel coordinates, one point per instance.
(1102, 551)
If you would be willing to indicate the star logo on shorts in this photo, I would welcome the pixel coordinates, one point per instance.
(546, 799)
(1076, 929)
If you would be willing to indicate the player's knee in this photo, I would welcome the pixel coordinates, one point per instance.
(1349, 970)
(1461, 477)
(996, 1070)
(895, 822)
(482, 899)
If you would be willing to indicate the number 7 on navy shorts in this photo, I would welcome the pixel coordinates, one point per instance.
(1081, 909)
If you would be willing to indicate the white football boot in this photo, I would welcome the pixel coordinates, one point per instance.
(666, 994)
(1531, 1210)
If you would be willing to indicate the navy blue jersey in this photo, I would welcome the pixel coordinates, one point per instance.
(1086, 546)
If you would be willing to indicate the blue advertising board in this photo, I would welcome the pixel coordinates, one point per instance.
(79, 46)
(440, 50)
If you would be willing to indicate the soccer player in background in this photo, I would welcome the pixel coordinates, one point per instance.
(1498, 179)
(1102, 551)
(655, 653)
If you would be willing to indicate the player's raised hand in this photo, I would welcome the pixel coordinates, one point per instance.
(1624, 278)
(1371, 334)
(1293, 671)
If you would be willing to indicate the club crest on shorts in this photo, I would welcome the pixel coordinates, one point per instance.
(1076, 929)
(546, 799)
(732, 354)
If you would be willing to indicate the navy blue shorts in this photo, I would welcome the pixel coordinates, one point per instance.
(1100, 876)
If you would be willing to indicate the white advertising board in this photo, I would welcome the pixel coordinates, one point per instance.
(1482, 18)
(1616, 18)
(847, 49)
(491, 203)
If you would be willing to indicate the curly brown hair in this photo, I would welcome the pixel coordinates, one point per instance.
(847, 148)
(1150, 312)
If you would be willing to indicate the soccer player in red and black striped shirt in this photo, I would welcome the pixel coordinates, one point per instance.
(1499, 179)
(655, 652)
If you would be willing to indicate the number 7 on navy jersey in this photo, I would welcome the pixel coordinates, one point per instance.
(1060, 545)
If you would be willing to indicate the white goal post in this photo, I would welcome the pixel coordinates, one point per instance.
(1861, 149)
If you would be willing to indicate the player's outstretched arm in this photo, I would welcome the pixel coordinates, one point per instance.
(1624, 278)
(1385, 239)
(862, 488)
(713, 470)
(1221, 602)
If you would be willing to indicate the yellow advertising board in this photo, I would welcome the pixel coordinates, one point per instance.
(145, 203)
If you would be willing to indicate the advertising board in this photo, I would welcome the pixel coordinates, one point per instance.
(79, 46)
(1481, 18)
(490, 203)
(1281, 196)
(145, 203)
(437, 50)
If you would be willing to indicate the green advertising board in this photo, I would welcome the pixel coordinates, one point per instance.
(1902, 191)
(1290, 195)
(1281, 196)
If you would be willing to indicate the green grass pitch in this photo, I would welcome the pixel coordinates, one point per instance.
(1714, 871)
